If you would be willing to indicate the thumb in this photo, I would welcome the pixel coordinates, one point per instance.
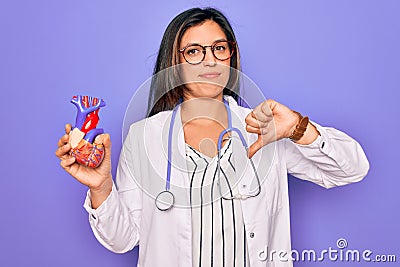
(106, 141)
(272, 104)
(257, 145)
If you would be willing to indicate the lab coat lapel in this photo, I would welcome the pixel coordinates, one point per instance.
(179, 175)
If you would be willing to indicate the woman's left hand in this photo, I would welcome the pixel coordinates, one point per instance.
(271, 121)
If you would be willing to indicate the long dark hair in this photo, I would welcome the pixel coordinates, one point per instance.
(165, 91)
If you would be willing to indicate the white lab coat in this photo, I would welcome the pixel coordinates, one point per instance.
(129, 216)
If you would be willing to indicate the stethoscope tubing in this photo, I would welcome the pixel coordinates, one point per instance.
(167, 192)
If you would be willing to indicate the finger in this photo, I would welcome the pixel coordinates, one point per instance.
(103, 139)
(252, 121)
(255, 130)
(260, 115)
(67, 162)
(68, 128)
(106, 141)
(99, 139)
(257, 145)
(271, 104)
(62, 150)
(63, 140)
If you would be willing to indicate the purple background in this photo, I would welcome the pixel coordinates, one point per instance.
(335, 60)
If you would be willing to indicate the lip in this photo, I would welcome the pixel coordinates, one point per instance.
(210, 75)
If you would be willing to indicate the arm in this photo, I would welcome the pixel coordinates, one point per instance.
(116, 222)
(333, 159)
(325, 156)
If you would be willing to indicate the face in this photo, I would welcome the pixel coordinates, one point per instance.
(210, 76)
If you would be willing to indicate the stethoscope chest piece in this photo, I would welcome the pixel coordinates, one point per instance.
(165, 200)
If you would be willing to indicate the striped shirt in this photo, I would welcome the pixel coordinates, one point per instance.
(219, 237)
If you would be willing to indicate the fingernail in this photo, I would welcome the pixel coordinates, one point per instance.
(99, 139)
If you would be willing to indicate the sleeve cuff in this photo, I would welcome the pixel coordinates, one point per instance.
(322, 143)
(104, 208)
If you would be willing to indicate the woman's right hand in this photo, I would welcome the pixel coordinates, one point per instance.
(99, 179)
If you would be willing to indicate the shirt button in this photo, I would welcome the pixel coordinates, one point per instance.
(251, 235)
(323, 144)
(244, 186)
(94, 217)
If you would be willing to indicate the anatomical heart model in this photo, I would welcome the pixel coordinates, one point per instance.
(83, 136)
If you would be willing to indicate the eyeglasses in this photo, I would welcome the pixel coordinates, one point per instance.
(195, 53)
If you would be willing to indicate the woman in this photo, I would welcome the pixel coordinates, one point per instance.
(222, 215)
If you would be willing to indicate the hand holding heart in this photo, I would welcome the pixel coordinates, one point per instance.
(99, 180)
(271, 121)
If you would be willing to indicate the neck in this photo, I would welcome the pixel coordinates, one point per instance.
(203, 109)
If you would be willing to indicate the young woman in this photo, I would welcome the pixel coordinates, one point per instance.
(225, 208)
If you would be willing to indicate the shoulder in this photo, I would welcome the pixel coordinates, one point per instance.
(157, 120)
(148, 126)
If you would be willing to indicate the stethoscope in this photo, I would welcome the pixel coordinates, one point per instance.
(165, 199)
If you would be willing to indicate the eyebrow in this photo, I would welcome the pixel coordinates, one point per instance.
(218, 40)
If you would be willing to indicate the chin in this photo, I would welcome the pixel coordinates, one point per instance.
(205, 90)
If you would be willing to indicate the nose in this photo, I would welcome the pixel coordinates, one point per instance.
(209, 58)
